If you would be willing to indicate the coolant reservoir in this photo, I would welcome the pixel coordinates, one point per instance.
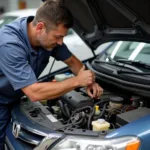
(64, 76)
(100, 125)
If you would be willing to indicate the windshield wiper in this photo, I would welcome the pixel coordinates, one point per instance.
(134, 62)
(115, 63)
(133, 72)
(123, 63)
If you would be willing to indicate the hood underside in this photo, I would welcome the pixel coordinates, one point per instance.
(99, 21)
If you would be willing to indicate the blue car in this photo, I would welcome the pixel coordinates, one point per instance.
(120, 119)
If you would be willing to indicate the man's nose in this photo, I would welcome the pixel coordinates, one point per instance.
(60, 41)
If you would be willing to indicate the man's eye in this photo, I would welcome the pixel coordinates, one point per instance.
(57, 37)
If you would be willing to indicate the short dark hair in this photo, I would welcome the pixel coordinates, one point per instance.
(53, 13)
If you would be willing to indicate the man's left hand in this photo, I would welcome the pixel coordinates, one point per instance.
(94, 90)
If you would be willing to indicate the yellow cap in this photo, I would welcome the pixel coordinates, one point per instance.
(96, 108)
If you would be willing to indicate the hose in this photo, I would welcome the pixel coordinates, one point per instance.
(102, 113)
(67, 110)
(62, 108)
(93, 112)
(80, 109)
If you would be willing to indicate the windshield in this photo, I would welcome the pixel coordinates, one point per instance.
(133, 51)
(6, 19)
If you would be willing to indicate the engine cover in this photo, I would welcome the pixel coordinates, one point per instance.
(77, 99)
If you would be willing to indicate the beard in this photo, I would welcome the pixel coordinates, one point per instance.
(48, 46)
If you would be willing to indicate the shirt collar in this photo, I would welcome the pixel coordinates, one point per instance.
(25, 31)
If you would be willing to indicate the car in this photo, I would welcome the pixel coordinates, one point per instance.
(120, 119)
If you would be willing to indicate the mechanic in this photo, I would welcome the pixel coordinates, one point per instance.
(25, 47)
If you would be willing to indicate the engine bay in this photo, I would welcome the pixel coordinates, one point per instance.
(77, 111)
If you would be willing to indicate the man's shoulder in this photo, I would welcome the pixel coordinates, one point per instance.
(9, 39)
(15, 25)
(12, 33)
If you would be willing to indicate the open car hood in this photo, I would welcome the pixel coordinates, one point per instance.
(99, 21)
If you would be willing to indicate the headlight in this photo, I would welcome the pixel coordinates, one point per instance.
(84, 143)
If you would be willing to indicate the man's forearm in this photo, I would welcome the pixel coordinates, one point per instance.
(51, 90)
(76, 70)
(74, 64)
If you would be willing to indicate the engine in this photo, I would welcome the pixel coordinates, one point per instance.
(77, 110)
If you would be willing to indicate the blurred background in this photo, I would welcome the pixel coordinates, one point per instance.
(11, 5)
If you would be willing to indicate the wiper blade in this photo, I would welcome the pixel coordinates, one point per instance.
(113, 62)
(133, 62)
(135, 71)
(132, 72)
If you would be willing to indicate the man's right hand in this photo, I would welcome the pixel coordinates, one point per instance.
(85, 77)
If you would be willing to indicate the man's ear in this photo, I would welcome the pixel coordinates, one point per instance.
(39, 27)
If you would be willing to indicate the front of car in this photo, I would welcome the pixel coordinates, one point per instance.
(121, 68)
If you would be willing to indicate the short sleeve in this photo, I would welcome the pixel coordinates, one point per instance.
(61, 53)
(14, 64)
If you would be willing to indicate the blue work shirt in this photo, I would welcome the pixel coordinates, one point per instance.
(20, 64)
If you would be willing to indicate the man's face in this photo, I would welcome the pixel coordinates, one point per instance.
(53, 38)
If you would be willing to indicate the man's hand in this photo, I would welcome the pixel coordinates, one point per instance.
(85, 77)
(94, 90)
